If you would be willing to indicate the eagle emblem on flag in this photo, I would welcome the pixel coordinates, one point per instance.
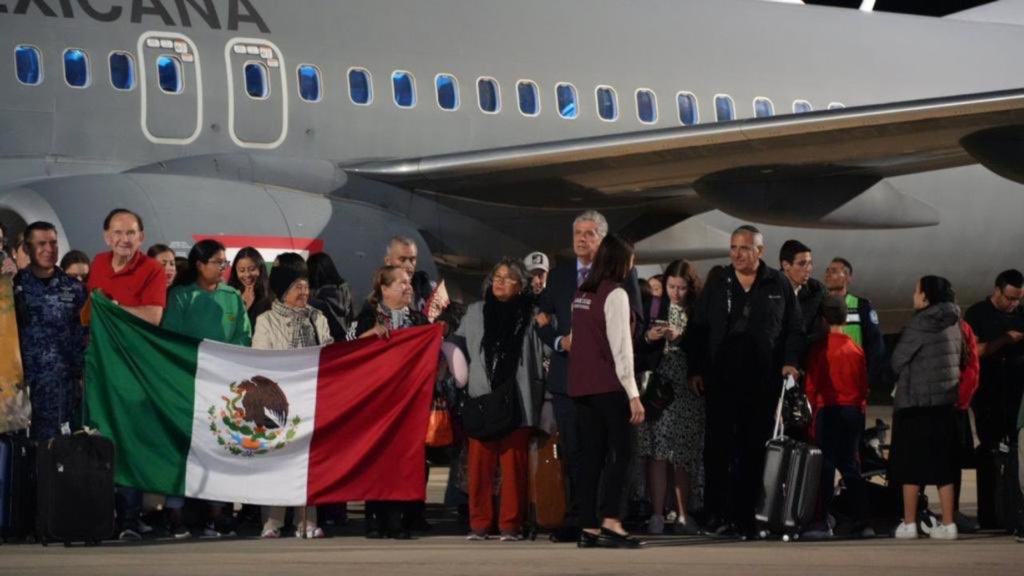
(254, 419)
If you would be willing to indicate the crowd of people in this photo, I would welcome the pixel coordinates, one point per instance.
(580, 345)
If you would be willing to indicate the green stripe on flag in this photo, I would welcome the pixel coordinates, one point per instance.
(140, 389)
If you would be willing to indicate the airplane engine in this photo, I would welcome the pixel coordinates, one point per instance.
(792, 197)
(999, 150)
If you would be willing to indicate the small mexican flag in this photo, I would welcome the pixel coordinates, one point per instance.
(341, 423)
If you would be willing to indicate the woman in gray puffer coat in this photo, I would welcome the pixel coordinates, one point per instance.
(927, 362)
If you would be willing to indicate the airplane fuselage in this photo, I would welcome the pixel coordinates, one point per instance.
(213, 159)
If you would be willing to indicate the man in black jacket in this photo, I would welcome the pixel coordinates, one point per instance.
(556, 307)
(797, 263)
(746, 335)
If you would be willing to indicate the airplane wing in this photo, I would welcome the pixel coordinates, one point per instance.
(848, 150)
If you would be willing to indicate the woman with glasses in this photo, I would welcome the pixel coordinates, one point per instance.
(201, 304)
(505, 358)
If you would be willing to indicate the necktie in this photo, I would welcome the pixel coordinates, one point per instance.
(581, 275)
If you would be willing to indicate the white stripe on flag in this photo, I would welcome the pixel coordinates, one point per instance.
(226, 464)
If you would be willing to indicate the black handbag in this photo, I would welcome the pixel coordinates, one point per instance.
(492, 415)
(657, 396)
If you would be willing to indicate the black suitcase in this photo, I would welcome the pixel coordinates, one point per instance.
(999, 498)
(75, 489)
(17, 487)
(789, 492)
(792, 476)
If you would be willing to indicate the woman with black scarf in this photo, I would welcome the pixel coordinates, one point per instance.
(505, 362)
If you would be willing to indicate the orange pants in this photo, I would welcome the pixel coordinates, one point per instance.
(484, 457)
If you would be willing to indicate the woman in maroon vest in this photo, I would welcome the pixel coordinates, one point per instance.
(604, 390)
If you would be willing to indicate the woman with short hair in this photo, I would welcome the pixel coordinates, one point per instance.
(505, 357)
(388, 309)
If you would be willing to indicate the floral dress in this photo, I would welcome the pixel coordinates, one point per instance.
(678, 435)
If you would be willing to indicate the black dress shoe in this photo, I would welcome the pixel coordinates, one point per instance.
(586, 540)
(565, 535)
(610, 539)
(401, 535)
(374, 535)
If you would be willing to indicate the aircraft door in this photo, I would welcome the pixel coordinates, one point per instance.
(257, 93)
(171, 84)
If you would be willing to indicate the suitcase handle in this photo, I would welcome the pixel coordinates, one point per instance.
(779, 431)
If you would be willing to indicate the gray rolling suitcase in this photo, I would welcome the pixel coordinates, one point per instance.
(792, 476)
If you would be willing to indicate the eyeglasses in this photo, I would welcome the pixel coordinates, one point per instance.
(1010, 299)
(222, 264)
(504, 279)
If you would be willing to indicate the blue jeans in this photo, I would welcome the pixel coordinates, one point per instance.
(837, 432)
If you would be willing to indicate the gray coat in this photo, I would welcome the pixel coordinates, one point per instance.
(529, 376)
(927, 359)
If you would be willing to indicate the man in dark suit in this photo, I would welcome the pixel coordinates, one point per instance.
(555, 323)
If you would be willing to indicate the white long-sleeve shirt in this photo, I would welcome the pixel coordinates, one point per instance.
(620, 339)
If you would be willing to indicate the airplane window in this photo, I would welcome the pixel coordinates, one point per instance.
(763, 108)
(29, 65)
(257, 84)
(404, 87)
(447, 91)
(646, 106)
(122, 71)
(529, 98)
(566, 96)
(802, 107)
(836, 106)
(607, 103)
(725, 109)
(490, 95)
(360, 87)
(76, 68)
(688, 113)
(169, 73)
(309, 83)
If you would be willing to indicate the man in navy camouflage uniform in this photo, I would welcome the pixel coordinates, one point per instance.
(48, 304)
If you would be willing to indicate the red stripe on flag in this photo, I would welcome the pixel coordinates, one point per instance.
(312, 245)
(373, 402)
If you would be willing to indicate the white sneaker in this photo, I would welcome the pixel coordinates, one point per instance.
(944, 532)
(656, 525)
(906, 531)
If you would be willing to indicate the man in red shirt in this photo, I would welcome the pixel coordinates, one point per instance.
(837, 387)
(126, 275)
(137, 283)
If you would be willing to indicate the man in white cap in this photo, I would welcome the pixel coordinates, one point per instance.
(538, 265)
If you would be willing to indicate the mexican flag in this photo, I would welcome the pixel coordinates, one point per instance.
(341, 423)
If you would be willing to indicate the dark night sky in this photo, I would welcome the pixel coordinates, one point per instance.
(922, 7)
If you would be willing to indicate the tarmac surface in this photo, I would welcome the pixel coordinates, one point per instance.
(444, 551)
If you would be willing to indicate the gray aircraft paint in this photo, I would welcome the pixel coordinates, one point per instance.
(216, 185)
